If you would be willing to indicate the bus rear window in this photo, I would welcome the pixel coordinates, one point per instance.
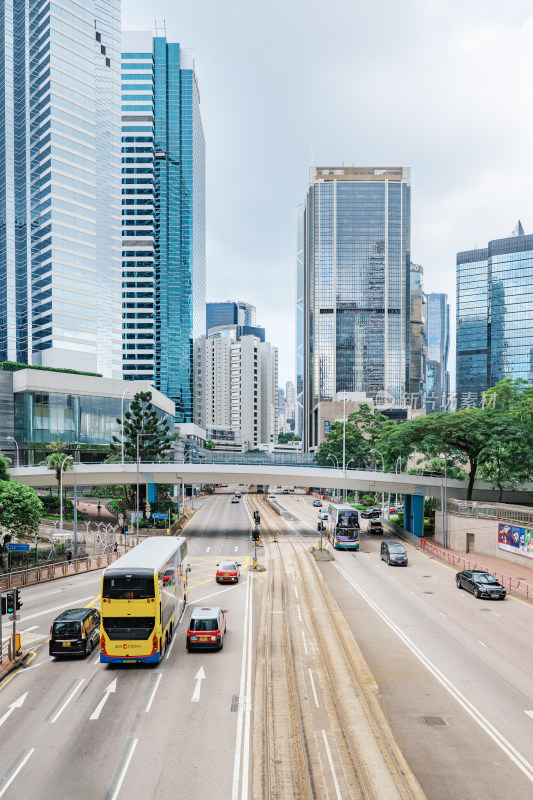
(128, 587)
(203, 625)
(118, 628)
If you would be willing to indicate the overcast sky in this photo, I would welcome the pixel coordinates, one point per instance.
(442, 86)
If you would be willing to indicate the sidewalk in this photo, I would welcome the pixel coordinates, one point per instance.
(517, 578)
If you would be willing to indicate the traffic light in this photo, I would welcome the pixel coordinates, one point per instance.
(10, 602)
(255, 535)
(122, 529)
(18, 601)
(257, 518)
(4, 605)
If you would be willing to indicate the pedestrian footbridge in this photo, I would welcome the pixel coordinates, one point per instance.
(413, 487)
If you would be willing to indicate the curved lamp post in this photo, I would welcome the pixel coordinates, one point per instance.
(67, 458)
(373, 450)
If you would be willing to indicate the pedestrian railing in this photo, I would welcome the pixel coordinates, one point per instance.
(49, 572)
(514, 585)
(499, 511)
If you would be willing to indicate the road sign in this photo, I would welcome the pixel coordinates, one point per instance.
(159, 516)
(148, 507)
(121, 518)
(19, 548)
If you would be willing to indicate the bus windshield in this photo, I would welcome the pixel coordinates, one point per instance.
(347, 519)
(128, 587)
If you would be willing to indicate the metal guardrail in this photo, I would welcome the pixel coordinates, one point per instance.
(515, 585)
(500, 511)
(48, 572)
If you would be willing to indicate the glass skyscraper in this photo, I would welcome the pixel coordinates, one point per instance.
(494, 315)
(163, 225)
(438, 343)
(417, 339)
(356, 259)
(60, 262)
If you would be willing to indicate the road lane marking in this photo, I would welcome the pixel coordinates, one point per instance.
(482, 643)
(227, 589)
(248, 709)
(149, 706)
(512, 753)
(199, 677)
(39, 664)
(33, 627)
(332, 768)
(14, 770)
(171, 646)
(529, 713)
(240, 718)
(207, 549)
(111, 688)
(72, 604)
(16, 704)
(305, 643)
(313, 687)
(67, 701)
(295, 592)
(442, 615)
(121, 770)
(299, 612)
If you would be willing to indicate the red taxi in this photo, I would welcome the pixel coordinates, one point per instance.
(228, 571)
(207, 628)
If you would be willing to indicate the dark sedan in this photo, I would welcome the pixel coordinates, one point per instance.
(375, 526)
(481, 584)
(371, 513)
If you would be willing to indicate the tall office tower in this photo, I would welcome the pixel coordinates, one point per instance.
(417, 338)
(356, 257)
(494, 306)
(300, 353)
(438, 343)
(163, 224)
(241, 391)
(60, 270)
(290, 393)
(229, 313)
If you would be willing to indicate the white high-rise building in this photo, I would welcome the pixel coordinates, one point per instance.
(241, 390)
(60, 185)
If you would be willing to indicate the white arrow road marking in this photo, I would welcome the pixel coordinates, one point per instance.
(207, 549)
(236, 548)
(111, 688)
(12, 707)
(199, 677)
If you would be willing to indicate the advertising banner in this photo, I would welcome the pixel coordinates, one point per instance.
(515, 540)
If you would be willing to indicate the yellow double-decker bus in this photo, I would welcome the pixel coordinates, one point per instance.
(143, 597)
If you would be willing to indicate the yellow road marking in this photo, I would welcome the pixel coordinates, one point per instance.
(16, 672)
(94, 602)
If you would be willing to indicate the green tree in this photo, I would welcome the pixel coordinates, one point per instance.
(472, 434)
(20, 510)
(4, 463)
(356, 446)
(58, 462)
(209, 445)
(141, 418)
(285, 438)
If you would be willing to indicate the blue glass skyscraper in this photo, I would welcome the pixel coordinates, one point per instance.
(356, 257)
(163, 232)
(60, 265)
(494, 315)
(438, 342)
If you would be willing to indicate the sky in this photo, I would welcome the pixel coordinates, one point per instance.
(441, 86)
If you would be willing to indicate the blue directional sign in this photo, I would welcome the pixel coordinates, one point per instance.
(159, 516)
(20, 548)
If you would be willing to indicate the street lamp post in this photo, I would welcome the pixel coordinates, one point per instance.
(137, 492)
(67, 458)
(396, 472)
(373, 450)
(12, 439)
(345, 471)
(334, 460)
(124, 393)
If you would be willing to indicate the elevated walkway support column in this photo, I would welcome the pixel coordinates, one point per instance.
(413, 516)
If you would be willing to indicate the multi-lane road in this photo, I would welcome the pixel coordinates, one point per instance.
(454, 674)
(155, 734)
